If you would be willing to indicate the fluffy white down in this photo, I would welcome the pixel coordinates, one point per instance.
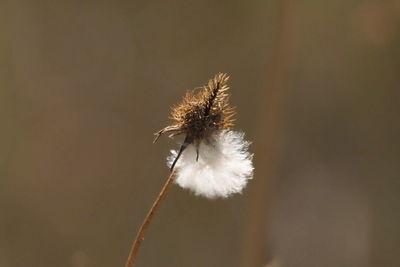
(223, 168)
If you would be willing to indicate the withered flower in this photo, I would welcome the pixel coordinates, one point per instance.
(213, 159)
(201, 114)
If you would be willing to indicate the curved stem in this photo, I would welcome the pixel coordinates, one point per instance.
(143, 228)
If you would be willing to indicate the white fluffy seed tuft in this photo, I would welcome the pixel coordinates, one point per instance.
(223, 168)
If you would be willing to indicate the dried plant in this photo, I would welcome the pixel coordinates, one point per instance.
(213, 161)
(200, 115)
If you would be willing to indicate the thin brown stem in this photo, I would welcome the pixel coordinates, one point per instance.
(149, 217)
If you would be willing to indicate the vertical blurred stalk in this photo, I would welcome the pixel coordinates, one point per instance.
(257, 247)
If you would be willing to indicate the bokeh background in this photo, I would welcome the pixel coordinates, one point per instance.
(85, 84)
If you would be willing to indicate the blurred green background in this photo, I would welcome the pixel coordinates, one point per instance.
(85, 84)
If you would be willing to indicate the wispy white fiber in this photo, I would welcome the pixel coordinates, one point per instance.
(223, 168)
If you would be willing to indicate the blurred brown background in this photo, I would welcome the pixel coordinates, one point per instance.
(85, 84)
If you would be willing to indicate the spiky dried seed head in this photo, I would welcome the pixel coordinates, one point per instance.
(202, 113)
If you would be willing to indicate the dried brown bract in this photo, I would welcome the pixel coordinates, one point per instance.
(200, 114)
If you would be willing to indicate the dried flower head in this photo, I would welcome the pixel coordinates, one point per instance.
(215, 161)
(200, 114)
(224, 165)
